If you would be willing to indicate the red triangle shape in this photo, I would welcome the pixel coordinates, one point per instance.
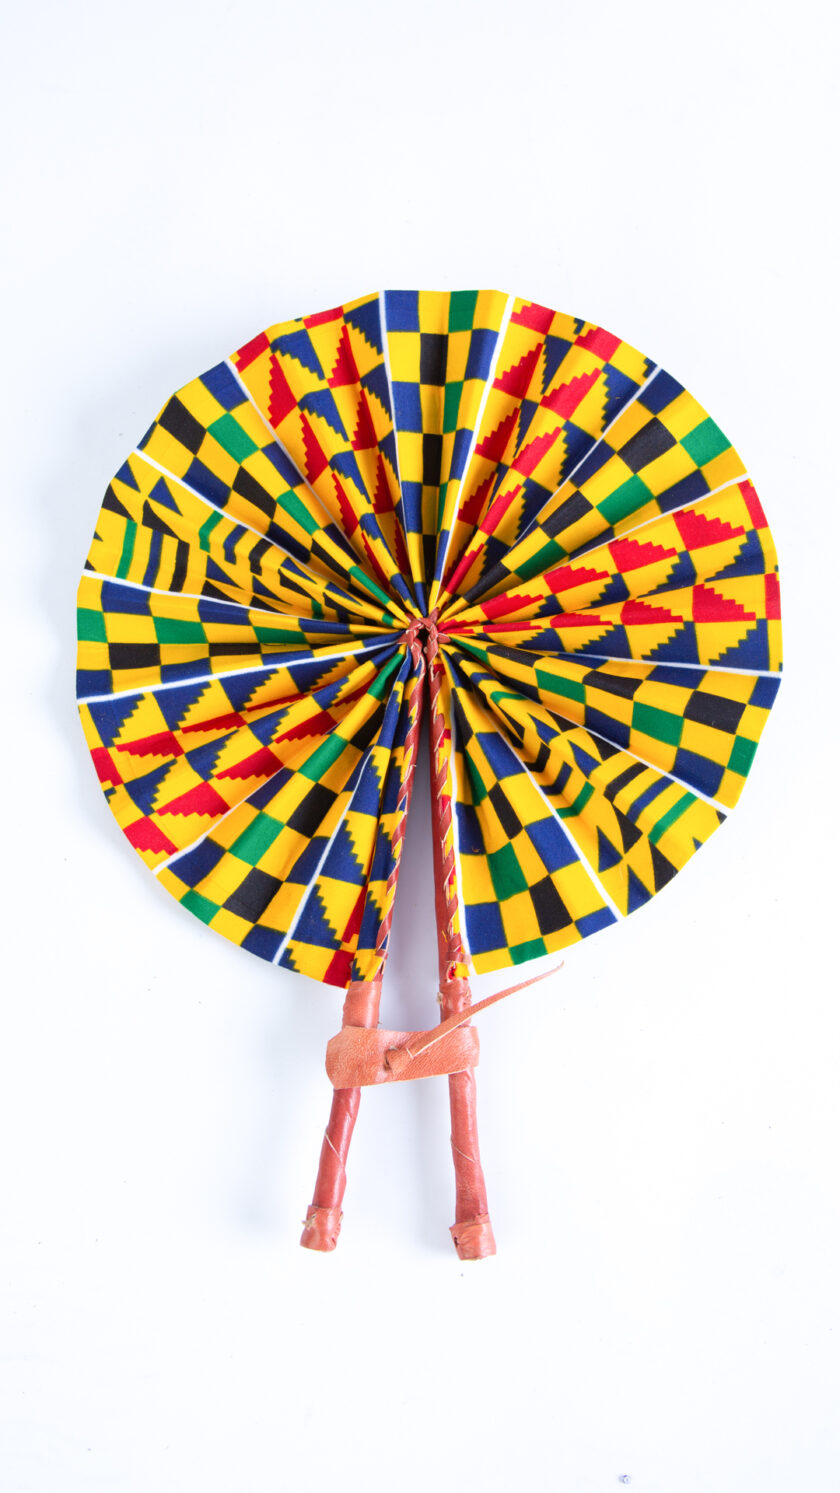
(565, 400)
(600, 342)
(260, 764)
(709, 606)
(383, 502)
(494, 445)
(645, 613)
(105, 769)
(517, 379)
(630, 554)
(348, 517)
(202, 799)
(281, 400)
(219, 722)
(146, 835)
(531, 455)
(472, 508)
(339, 969)
(344, 368)
(354, 922)
(566, 577)
(314, 458)
(161, 744)
(561, 620)
(754, 508)
(697, 531)
(364, 436)
(532, 315)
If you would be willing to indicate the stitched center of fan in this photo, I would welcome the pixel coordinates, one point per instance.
(425, 631)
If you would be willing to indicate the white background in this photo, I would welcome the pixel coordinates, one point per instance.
(659, 1121)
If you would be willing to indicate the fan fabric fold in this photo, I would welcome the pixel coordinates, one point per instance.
(582, 534)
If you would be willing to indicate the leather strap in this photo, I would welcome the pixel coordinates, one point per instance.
(411, 1050)
(357, 1058)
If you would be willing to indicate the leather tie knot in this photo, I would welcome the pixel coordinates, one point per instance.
(425, 633)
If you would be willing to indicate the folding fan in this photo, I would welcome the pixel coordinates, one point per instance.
(459, 500)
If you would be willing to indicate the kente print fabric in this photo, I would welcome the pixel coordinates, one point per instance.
(583, 536)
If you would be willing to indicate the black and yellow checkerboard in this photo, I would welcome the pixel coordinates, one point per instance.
(586, 540)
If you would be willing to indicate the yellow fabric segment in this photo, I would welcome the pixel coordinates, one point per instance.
(510, 866)
(550, 515)
(267, 841)
(184, 794)
(587, 801)
(331, 418)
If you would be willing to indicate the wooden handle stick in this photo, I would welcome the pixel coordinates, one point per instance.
(472, 1231)
(361, 1008)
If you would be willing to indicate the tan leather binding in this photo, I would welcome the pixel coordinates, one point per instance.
(473, 1239)
(357, 1057)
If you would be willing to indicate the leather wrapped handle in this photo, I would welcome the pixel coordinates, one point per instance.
(361, 1009)
(358, 1057)
(322, 1224)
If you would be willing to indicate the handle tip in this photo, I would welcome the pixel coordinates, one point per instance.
(473, 1239)
(321, 1228)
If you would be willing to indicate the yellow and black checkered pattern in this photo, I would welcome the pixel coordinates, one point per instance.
(660, 453)
(559, 512)
(558, 384)
(696, 586)
(322, 386)
(442, 346)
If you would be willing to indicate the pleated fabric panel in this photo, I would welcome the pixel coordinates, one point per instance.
(586, 540)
